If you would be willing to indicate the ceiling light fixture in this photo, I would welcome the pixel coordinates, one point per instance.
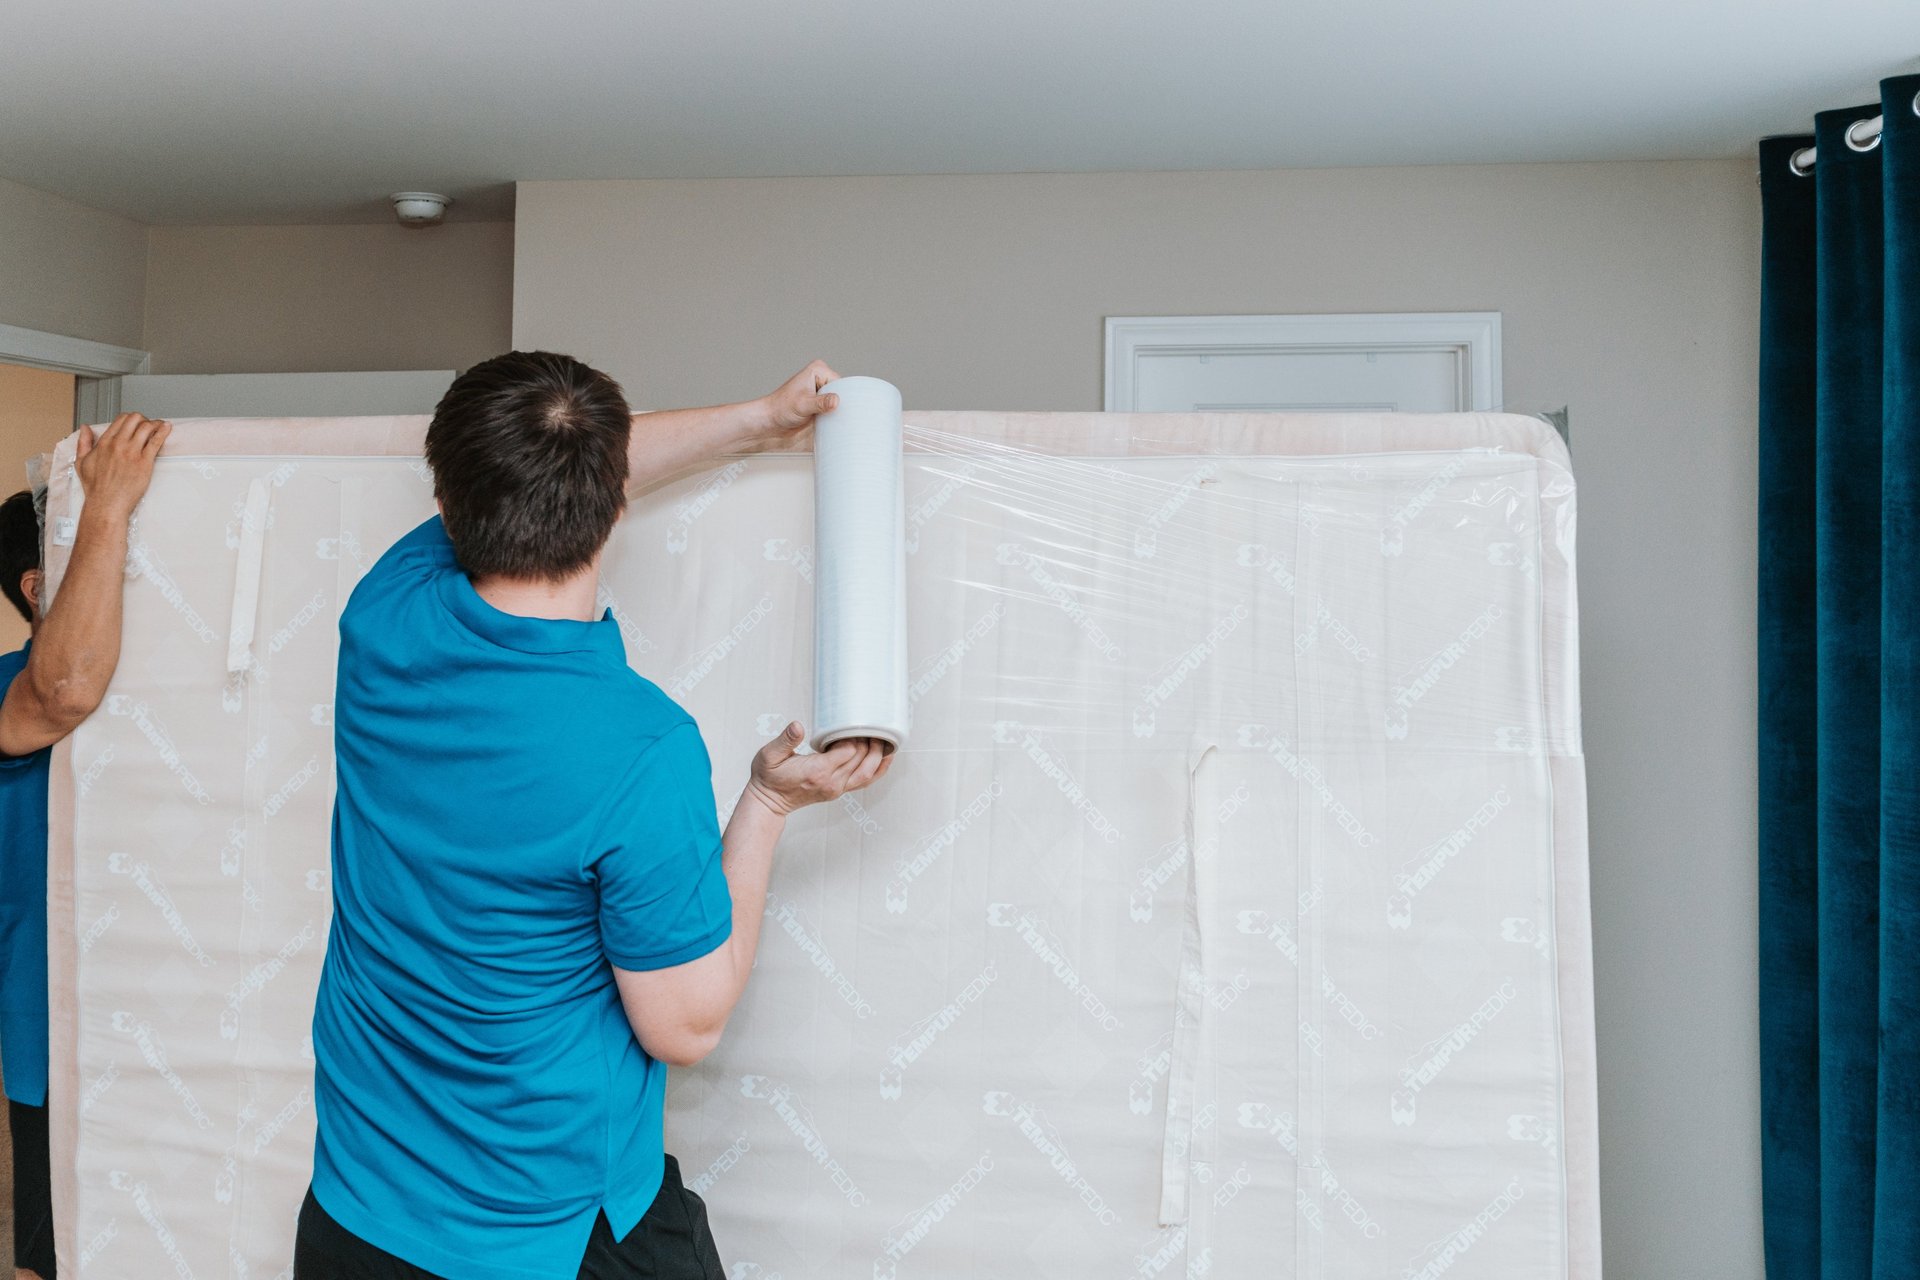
(419, 208)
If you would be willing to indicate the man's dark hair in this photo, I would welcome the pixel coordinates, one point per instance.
(529, 458)
(19, 548)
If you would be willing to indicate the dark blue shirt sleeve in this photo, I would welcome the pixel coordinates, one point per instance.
(12, 665)
(663, 897)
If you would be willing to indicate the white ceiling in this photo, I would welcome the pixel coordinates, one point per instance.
(188, 111)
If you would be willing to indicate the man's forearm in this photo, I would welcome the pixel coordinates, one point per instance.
(672, 441)
(747, 860)
(78, 643)
(666, 444)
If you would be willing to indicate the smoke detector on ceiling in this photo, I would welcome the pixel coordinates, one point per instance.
(419, 208)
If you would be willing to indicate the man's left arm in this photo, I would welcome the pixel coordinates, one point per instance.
(670, 442)
(77, 645)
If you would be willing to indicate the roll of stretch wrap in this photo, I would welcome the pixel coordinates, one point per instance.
(860, 588)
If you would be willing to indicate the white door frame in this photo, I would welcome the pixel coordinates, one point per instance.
(97, 366)
(1473, 335)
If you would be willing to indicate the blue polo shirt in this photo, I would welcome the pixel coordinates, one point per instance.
(517, 812)
(23, 913)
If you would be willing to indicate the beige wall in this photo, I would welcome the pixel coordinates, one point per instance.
(306, 299)
(36, 410)
(1629, 292)
(65, 268)
(257, 299)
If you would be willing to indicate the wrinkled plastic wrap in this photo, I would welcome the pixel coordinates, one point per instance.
(1223, 915)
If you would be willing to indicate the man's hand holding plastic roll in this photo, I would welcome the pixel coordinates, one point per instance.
(787, 413)
(784, 780)
(672, 442)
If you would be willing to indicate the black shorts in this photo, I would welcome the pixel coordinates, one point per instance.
(32, 1189)
(673, 1242)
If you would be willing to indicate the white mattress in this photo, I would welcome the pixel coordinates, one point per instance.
(1224, 916)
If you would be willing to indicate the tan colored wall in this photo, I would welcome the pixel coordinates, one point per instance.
(36, 410)
(66, 268)
(1629, 292)
(306, 299)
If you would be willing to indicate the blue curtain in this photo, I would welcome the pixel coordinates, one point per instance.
(1840, 697)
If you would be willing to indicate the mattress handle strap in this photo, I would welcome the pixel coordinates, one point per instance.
(1176, 1159)
(246, 577)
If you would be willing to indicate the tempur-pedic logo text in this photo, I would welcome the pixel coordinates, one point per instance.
(932, 848)
(1433, 859)
(149, 1212)
(1146, 539)
(1440, 1257)
(1012, 731)
(1034, 1127)
(1033, 931)
(1433, 669)
(1145, 716)
(119, 704)
(1168, 862)
(799, 1122)
(921, 514)
(259, 976)
(155, 1057)
(637, 640)
(1259, 737)
(916, 1226)
(680, 527)
(948, 658)
(725, 1161)
(1060, 596)
(148, 566)
(791, 923)
(797, 554)
(1435, 1057)
(716, 653)
(1253, 555)
(1154, 1065)
(141, 873)
(920, 1037)
(1393, 539)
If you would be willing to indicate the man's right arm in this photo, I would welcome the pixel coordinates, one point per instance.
(678, 1013)
(672, 441)
(77, 645)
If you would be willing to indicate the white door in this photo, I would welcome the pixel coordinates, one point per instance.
(1278, 364)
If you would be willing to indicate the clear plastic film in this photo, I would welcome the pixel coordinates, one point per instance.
(1222, 913)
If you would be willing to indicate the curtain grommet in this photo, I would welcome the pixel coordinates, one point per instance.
(1872, 139)
(1801, 162)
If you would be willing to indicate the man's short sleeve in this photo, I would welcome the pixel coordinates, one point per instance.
(663, 898)
(12, 665)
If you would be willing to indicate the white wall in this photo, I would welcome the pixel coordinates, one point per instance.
(65, 268)
(1629, 292)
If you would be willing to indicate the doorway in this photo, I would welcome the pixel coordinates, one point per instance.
(1441, 362)
(36, 413)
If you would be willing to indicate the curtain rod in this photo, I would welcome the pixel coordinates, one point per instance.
(1862, 135)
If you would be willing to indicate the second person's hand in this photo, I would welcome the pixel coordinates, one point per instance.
(116, 465)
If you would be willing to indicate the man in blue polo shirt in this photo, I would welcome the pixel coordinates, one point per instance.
(535, 911)
(52, 684)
